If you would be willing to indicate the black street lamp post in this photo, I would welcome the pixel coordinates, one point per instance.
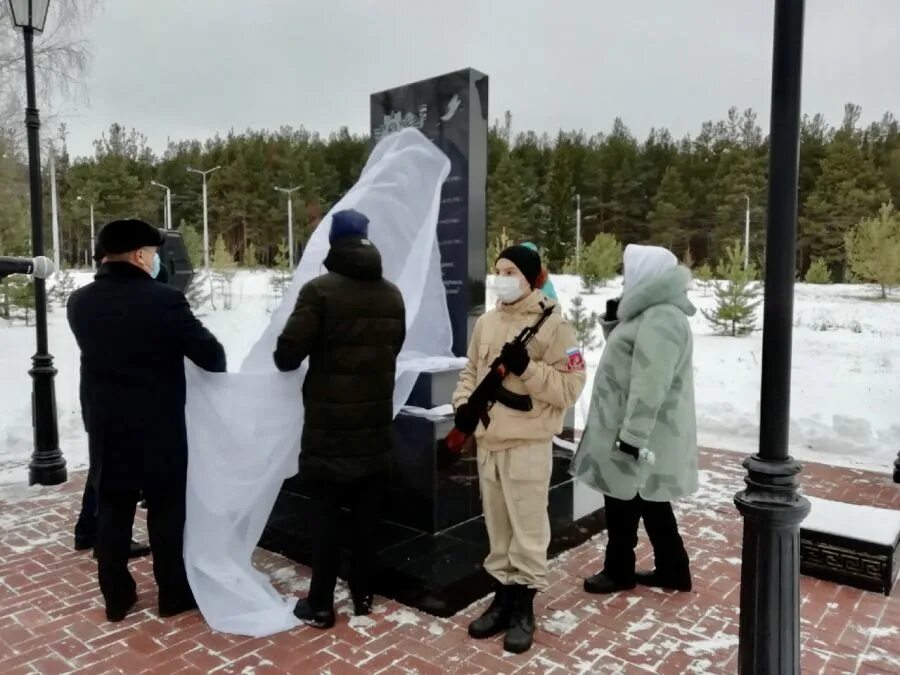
(47, 466)
(770, 504)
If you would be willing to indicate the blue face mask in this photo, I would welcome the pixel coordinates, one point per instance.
(154, 272)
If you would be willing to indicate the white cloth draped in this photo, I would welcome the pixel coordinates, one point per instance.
(244, 428)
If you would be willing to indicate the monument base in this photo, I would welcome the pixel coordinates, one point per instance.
(433, 541)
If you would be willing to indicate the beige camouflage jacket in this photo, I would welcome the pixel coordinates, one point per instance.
(554, 379)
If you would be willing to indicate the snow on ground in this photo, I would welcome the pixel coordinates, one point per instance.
(845, 392)
(844, 401)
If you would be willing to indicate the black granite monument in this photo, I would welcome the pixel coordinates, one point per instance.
(433, 539)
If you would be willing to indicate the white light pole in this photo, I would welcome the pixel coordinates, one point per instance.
(79, 198)
(289, 192)
(167, 213)
(54, 210)
(205, 222)
(747, 235)
(577, 233)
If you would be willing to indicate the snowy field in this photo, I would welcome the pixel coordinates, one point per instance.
(844, 407)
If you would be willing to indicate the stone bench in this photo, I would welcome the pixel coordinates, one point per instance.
(850, 544)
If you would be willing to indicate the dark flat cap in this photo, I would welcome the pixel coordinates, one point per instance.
(122, 236)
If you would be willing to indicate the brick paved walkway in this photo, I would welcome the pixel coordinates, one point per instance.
(52, 621)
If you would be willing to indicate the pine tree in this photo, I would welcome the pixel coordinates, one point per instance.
(557, 236)
(224, 268)
(688, 259)
(197, 292)
(19, 298)
(193, 242)
(600, 261)
(671, 212)
(848, 189)
(64, 284)
(818, 272)
(704, 275)
(584, 324)
(251, 260)
(737, 295)
(280, 277)
(507, 209)
(501, 242)
(873, 248)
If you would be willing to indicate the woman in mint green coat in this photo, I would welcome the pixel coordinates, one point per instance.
(639, 446)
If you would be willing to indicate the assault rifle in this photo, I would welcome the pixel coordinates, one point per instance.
(491, 388)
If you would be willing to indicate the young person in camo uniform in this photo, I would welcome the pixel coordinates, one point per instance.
(515, 450)
(639, 446)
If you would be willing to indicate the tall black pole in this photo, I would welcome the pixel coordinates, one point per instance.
(47, 466)
(770, 504)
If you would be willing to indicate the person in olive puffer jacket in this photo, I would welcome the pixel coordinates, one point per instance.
(351, 324)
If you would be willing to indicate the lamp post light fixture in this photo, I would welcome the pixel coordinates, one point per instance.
(204, 174)
(289, 192)
(47, 465)
(79, 198)
(167, 212)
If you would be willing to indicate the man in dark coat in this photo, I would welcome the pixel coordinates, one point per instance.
(351, 323)
(86, 525)
(134, 335)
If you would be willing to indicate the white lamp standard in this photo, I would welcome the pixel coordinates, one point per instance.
(79, 198)
(167, 213)
(289, 192)
(747, 234)
(204, 174)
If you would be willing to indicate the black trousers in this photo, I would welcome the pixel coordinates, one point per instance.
(365, 499)
(622, 519)
(165, 522)
(86, 525)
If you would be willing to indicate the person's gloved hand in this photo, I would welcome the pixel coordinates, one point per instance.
(629, 449)
(612, 310)
(515, 357)
(466, 419)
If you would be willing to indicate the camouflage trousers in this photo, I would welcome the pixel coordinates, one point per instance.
(515, 484)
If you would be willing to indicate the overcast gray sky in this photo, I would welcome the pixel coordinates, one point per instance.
(191, 68)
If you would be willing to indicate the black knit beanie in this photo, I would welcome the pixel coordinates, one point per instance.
(527, 260)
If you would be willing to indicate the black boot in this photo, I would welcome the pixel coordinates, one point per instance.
(362, 603)
(521, 628)
(496, 617)
(679, 580)
(602, 584)
(173, 606)
(314, 617)
(118, 611)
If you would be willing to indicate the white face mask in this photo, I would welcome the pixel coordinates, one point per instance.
(507, 289)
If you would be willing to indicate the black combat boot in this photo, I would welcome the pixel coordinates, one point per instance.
(496, 617)
(521, 627)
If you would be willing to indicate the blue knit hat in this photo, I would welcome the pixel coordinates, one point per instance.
(348, 223)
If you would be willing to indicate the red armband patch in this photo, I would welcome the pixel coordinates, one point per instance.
(574, 360)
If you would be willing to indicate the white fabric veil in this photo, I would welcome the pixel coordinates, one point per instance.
(244, 428)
